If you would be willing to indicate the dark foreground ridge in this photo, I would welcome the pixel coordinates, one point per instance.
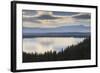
(81, 51)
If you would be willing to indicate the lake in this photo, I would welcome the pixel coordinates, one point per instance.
(44, 44)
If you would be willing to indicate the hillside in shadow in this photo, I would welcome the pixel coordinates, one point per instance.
(77, 52)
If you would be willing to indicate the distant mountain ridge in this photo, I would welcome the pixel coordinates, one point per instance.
(62, 29)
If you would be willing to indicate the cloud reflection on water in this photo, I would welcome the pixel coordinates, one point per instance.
(44, 44)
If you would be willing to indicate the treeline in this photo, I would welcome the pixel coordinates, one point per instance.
(77, 52)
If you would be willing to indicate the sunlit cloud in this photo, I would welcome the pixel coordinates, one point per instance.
(49, 23)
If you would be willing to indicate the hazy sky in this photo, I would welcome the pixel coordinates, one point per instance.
(52, 19)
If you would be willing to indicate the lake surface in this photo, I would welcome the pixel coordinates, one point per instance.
(44, 44)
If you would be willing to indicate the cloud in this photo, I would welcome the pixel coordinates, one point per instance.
(42, 45)
(64, 13)
(50, 19)
(47, 23)
(83, 16)
(29, 13)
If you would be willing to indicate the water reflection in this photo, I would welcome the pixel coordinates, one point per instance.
(44, 44)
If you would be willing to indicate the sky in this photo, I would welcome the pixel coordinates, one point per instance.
(53, 19)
